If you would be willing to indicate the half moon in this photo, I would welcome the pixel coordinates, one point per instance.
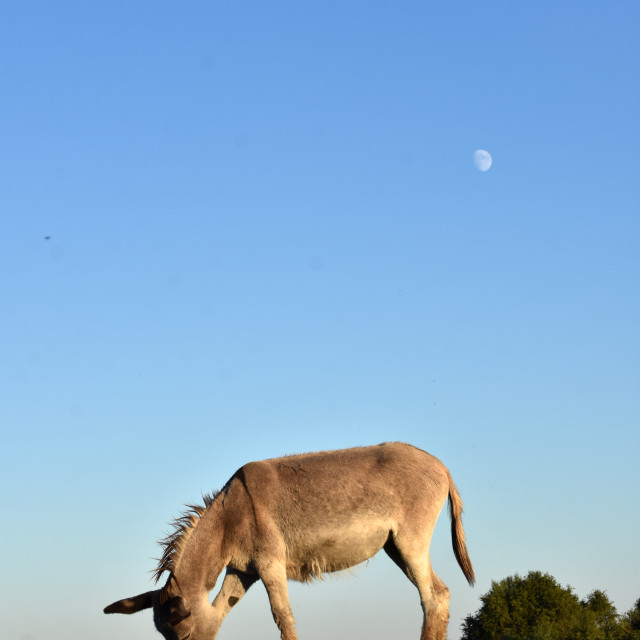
(482, 159)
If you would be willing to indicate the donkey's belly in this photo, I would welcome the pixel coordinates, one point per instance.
(333, 550)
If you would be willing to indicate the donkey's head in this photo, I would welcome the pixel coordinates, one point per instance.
(174, 616)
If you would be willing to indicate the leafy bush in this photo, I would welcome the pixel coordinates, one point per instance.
(536, 607)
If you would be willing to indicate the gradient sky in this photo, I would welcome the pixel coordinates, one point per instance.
(266, 235)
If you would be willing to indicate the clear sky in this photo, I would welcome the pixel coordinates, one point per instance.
(234, 230)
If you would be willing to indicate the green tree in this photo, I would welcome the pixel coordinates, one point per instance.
(536, 607)
(600, 620)
(630, 623)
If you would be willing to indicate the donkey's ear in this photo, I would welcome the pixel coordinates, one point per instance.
(133, 605)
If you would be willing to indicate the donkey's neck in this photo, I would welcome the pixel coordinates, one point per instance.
(200, 561)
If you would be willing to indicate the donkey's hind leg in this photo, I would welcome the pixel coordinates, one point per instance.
(442, 605)
(412, 556)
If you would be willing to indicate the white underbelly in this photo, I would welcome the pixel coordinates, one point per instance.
(315, 553)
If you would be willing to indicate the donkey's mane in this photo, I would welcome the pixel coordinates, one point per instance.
(174, 542)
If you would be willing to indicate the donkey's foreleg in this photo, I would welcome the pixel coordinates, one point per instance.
(274, 576)
(234, 586)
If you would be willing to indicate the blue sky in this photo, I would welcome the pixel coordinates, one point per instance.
(266, 236)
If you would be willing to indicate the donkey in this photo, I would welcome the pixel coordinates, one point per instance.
(296, 518)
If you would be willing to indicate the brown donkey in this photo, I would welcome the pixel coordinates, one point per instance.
(296, 518)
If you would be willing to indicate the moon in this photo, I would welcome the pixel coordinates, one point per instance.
(482, 159)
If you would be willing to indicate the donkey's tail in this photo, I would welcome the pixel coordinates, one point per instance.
(457, 533)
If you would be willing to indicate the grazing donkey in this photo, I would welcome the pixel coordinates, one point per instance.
(296, 518)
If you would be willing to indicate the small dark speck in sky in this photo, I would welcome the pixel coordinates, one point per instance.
(47, 237)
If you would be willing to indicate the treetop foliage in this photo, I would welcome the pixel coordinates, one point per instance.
(536, 607)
